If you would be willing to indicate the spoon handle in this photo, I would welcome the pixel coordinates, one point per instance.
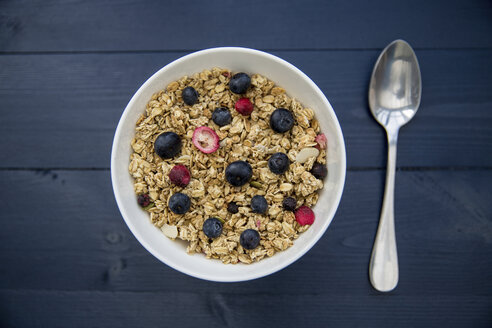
(383, 268)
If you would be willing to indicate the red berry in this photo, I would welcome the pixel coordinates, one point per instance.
(304, 215)
(205, 139)
(144, 200)
(321, 140)
(179, 175)
(319, 171)
(244, 106)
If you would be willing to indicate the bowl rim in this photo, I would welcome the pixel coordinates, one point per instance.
(177, 266)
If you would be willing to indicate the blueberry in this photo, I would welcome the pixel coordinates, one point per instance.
(167, 145)
(232, 208)
(259, 204)
(281, 120)
(179, 203)
(221, 116)
(190, 96)
(319, 171)
(239, 83)
(250, 239)
(289, 204)
(278, 163)
(238, 173)
(212, 228)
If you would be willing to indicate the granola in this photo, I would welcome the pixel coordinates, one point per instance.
(246, 138)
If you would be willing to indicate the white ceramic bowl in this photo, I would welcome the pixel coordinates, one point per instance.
(297, 85)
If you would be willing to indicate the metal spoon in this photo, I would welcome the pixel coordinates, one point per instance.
(394, 97)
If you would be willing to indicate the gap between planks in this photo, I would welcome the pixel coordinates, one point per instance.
(151, 51)
(109, 291)
(350, 168)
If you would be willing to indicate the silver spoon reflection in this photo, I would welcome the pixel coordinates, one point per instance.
(394, 97)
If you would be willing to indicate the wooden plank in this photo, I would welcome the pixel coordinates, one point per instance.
(62, 110)
(61, 230)
(229, 309)
(170, 25)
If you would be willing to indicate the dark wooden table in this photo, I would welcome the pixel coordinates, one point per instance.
(67, 70)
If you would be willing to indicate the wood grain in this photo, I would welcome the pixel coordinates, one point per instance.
(65, 233)
(62, 110)
(68, 69)
(111, 25)
(231, 309)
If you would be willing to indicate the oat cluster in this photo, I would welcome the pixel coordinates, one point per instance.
(247, 138)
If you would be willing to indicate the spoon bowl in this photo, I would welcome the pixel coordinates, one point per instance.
(394, 98)
(396, 87)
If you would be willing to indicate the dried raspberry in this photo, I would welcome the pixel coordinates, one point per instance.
(205, 139)
(179, 175)
(321, 140)
(144, 200)
(244, 106)
(304, 215)
(319, 171)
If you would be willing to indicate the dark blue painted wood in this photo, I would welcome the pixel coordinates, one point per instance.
(75, 241)
(109, 25)
(68, 68)
(214, 309)
(72, 103)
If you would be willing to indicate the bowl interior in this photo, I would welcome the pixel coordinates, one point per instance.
(297, 85)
